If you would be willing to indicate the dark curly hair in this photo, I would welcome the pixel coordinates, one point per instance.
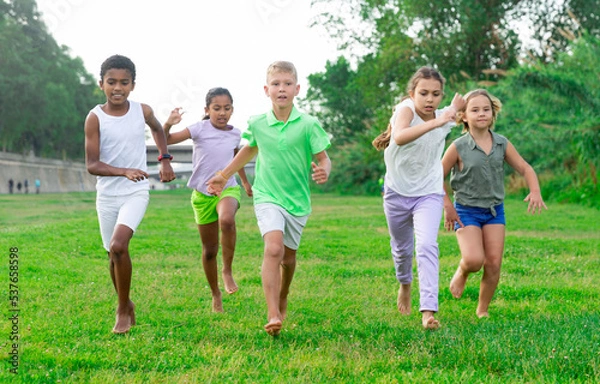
(117, 62)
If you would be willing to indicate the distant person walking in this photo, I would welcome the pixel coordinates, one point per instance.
(19, 186)
(119, 162)
(413, 187)
(476, 160)
(38, 185)
(26, 185)
(215, 144)
(11, 185)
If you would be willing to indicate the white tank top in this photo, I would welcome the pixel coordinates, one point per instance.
(415, 169)
(122, 145)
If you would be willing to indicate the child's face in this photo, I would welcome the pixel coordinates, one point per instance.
(427, 96)
(478, 113)
(117, 84)
(219, 111)
(281, 88)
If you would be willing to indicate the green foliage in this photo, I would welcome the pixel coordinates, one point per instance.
(342, 324)
(341, 108)
(550, 105)
(554, 23)
(552, 115)
(356, 167)
(44, 93)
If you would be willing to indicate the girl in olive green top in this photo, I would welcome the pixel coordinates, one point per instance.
(477, 163)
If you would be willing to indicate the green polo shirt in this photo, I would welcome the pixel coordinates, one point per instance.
(283, 162)
(480, 183)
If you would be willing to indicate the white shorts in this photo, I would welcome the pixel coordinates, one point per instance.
(272, 217)
(127, 210)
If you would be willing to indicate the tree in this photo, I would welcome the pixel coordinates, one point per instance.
(474, 44)
(552, 113)
(44, 93)
(554, 23)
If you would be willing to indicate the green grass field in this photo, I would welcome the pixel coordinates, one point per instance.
(342, 324)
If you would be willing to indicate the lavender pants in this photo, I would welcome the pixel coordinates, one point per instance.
(415, 221)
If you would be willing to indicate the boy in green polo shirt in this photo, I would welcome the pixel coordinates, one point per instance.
(284, 141)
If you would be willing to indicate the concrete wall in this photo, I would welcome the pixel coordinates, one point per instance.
(54, 175)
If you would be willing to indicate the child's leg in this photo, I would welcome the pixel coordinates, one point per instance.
(226, 209)
(427, 216)
(209, 234)
(118, 218)
(493, 238)
(271, 279)
(121, 270)
(470, 242)
(111, 268)
(288, 267)
(400, 225)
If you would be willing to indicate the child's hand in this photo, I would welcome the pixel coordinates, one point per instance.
(536, 203)
(166, 172)
(216, 184)
(175, 116)
(451, 217)
(448, 115)
(247, 188)
(319, 174)
(135, 175)
(458, 102)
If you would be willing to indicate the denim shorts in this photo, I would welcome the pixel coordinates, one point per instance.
(479, 216)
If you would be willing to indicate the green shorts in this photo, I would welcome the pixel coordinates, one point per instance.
(205, 207)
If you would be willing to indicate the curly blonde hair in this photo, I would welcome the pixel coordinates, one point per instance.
(494, 101)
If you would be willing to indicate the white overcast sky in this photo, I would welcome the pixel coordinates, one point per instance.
(182, 48)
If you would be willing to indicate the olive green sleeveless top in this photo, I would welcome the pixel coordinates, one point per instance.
(480, 183)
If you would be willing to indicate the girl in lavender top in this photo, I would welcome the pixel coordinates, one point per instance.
(215, 144)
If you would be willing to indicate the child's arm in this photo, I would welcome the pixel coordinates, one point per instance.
(321, 171)
(243, 178)
(404, 133)
(165, 170)
(534, 198)
(450, 216)
(217, 182)
(92, 154)
(174, 119)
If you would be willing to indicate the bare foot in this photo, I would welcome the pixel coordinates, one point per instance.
(457, 284)
(217, 303)
(404, 299)
(273, 327)
(482, 314)
(125, 319)
(230, 285)
(430, 322)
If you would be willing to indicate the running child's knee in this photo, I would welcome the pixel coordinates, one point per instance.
(227, 224)
(117, 248)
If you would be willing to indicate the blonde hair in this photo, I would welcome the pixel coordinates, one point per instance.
(282, 66)
(383, 140)
(494, 102)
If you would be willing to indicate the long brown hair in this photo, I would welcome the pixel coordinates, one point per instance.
(382, 141)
